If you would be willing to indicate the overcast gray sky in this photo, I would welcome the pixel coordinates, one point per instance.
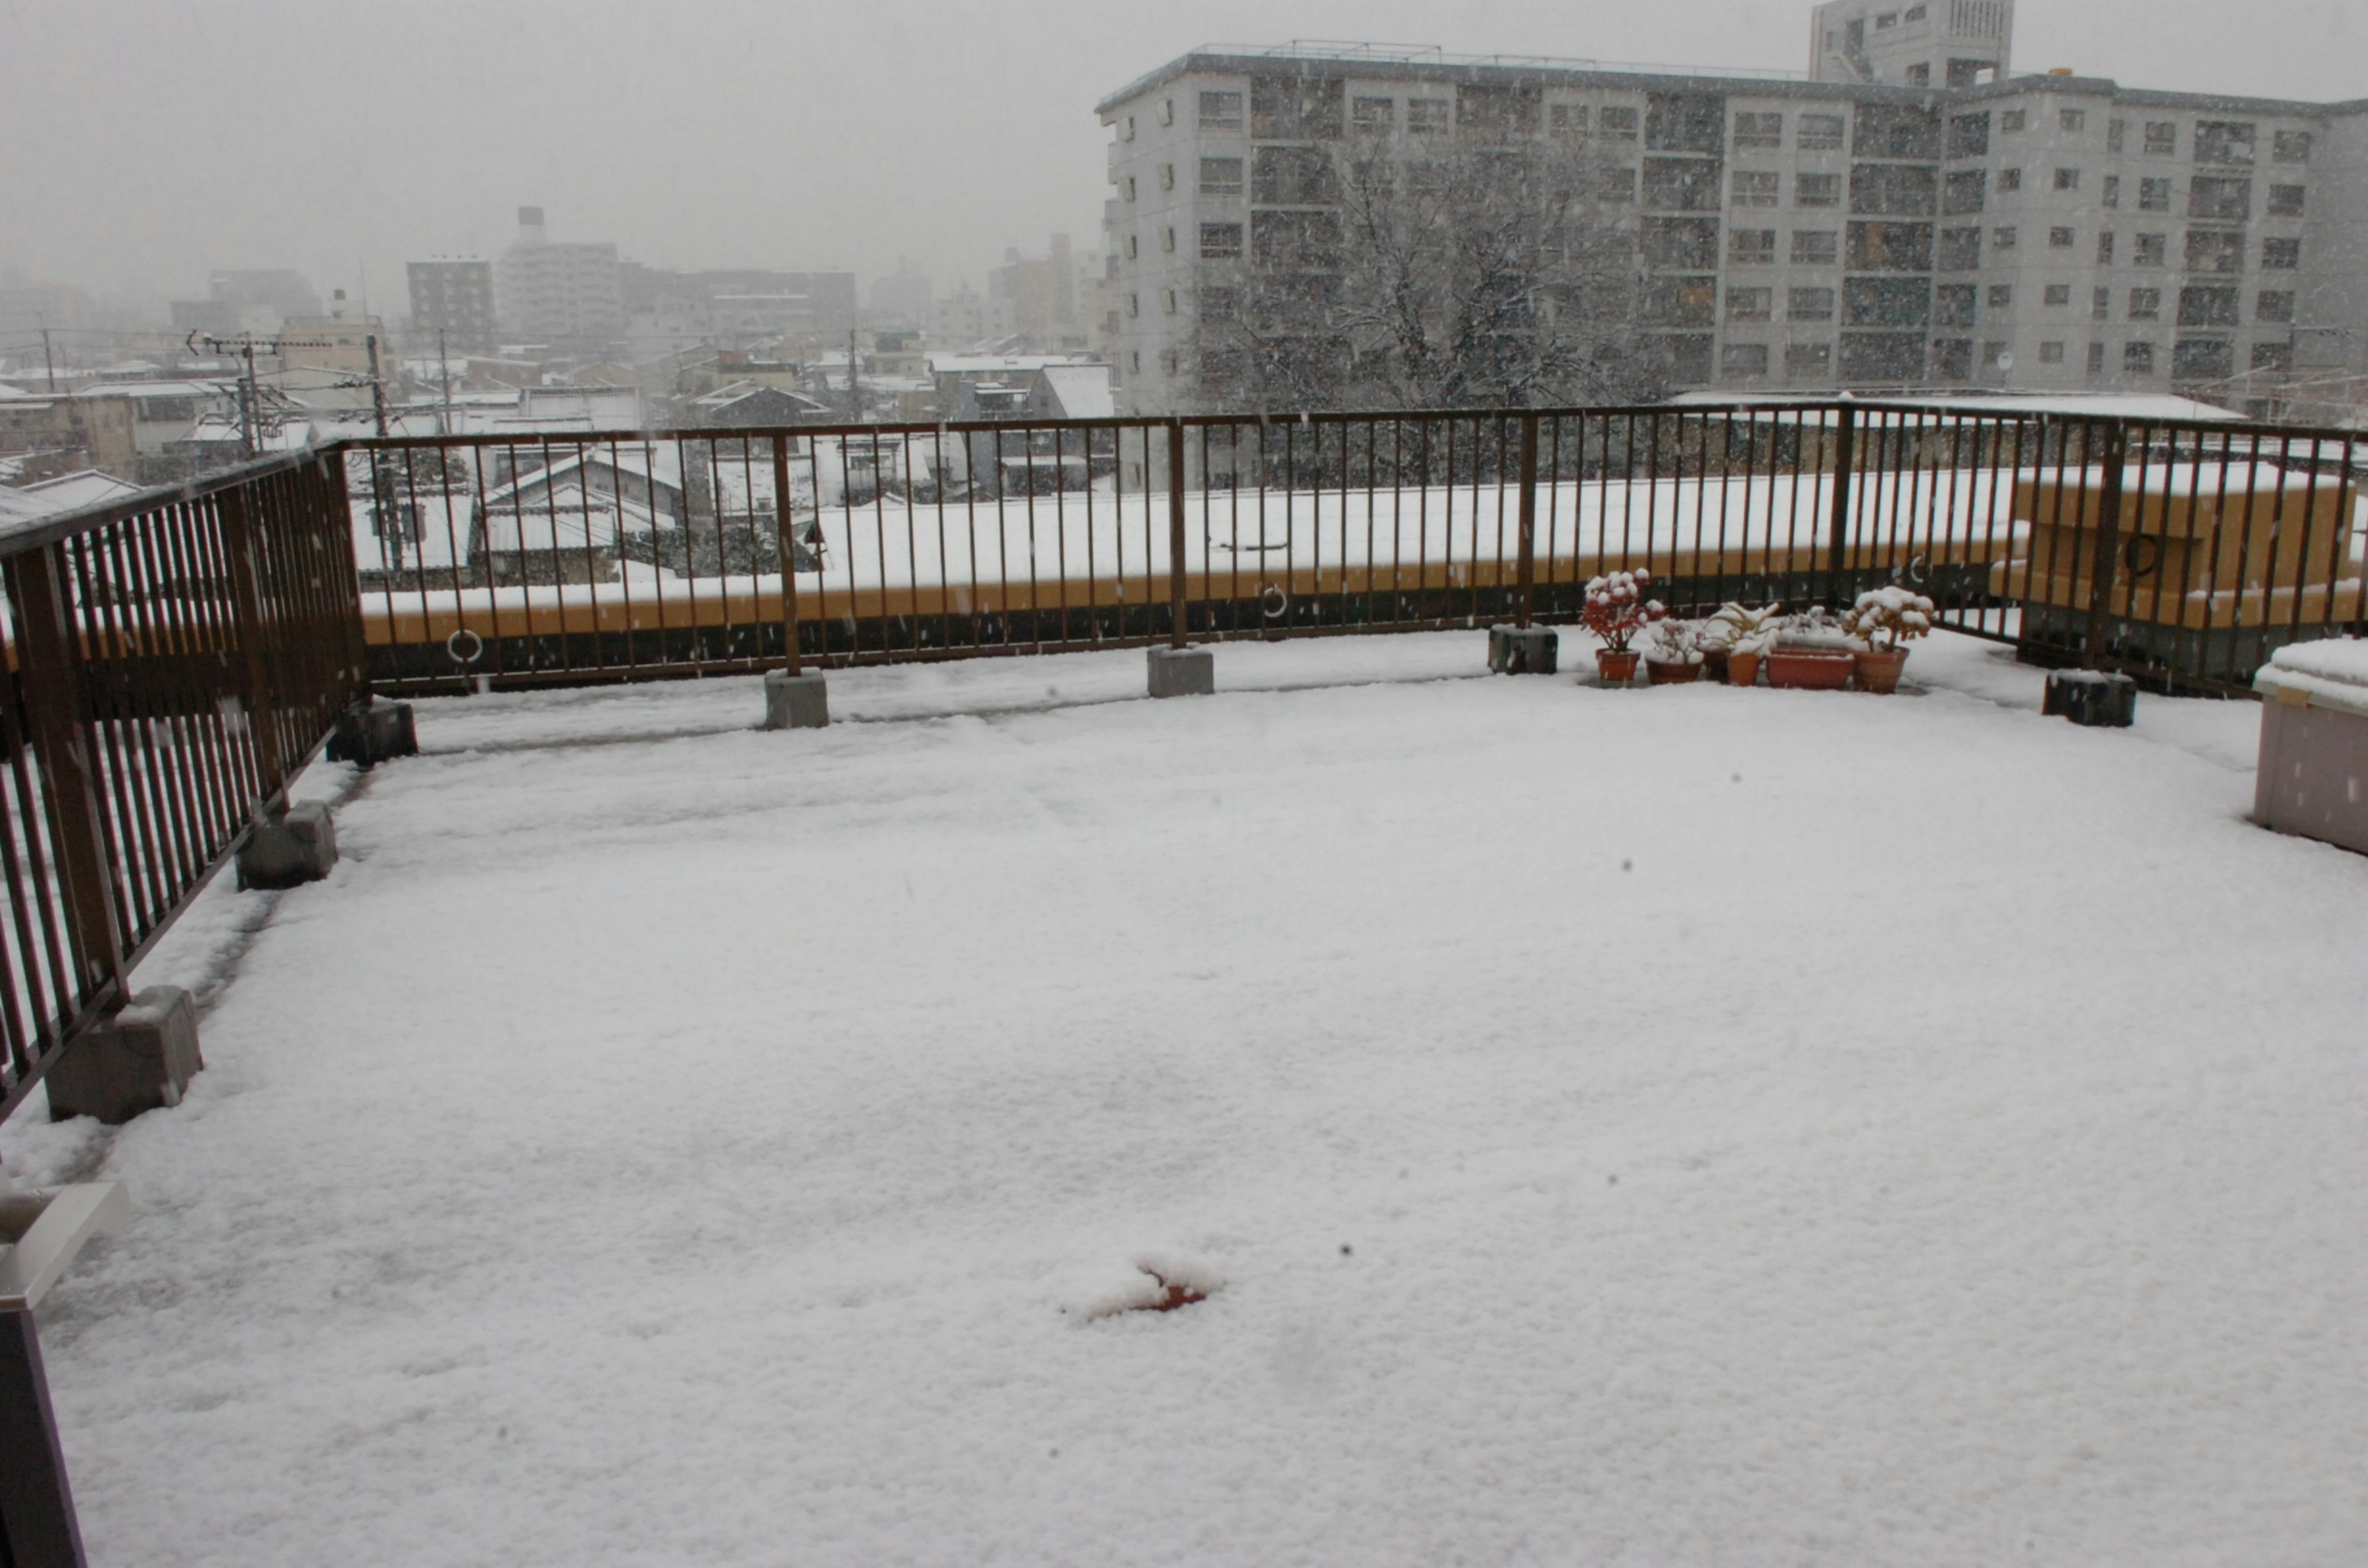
(142, 144)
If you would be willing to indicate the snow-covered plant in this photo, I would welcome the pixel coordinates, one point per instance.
(1884, 617)
(1742, 629)
(1813, 628)
(1617, 608)
(1680, 642)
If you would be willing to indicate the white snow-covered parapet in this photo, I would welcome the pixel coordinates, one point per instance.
(2330, 673)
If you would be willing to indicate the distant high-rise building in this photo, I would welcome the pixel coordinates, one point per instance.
(453, 297)
(1937, 43)
(901, 299)
(255, 300)
(565, 295)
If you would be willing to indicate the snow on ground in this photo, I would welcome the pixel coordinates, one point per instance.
(1662, 1126)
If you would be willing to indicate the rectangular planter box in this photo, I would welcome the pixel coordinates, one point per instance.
(1809, 669)
(2313, 776)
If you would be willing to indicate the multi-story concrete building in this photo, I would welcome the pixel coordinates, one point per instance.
(453, 302)
(565, 295)
(2047, 232)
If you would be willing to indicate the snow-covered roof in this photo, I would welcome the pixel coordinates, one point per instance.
(2092, 405)
(153, 389)
(1084, 390)
(66, 493)
(996, 364)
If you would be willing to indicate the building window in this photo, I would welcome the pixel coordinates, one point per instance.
(2285, 201)
(2101, 305)
(2058, 294)
(1617, 185)
(1221, 111)
(1751, 304)
(1167, 360)
(1743, 360)
(1566, 119)
(1809, 304)
(1220, 177)
(1134, 247)
(1168, 111)
(1965, 191)
(1129, 135)
(1960, 250)
(2050, 353)
(2096, 359)
(1817, 190)
(2280, 256)
(1996, 354)
(2012, 121)
(1134, 304)
(1427, 117)
(2161, 138)
(2220, 201)
(2112, 192)
(1817, 247)
(2291, 147)
(1221, 241)
(2145, 304)
(1759, 131)
(1969, 135)
(1817, 132)
(1167, 240)
(2116, 133)
(2062, 239)
(2223, 141)
(2203, 358)
(2137, 358)
(1808, 361)
(1134, 361)
(1373, 117)
(2207, 307)
(1751, 247)
(1618, 123)
(1954, 304)
(2068, 180)
(2274, 356)
(1752, 189)
(2212, 250)
(1130, 188)
(2001, 296)
(1167, 176)
(1919, 75)
(2274, 304)
(2072, 118)
(2154, 195)
(2105, 249)
(2009, 180)
(1167, 303)
(2002, 238)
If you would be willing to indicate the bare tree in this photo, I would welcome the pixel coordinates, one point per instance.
(1423, 274)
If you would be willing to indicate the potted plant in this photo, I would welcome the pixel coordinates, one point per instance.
(1744, 633)
(1885, 620)
(1616, 611)
(1812, 653)
(1674, 653)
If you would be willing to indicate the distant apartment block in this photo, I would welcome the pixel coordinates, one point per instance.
(1909, 215)
(567, 295)
(452, 301)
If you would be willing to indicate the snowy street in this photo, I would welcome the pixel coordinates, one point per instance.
(1658, 1127)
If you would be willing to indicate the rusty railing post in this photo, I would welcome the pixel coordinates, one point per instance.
(783, 526)
(1837, 523)
(2105, 562)
(246, 611)
(1176, 531)
(1526, 574)
(62, 746)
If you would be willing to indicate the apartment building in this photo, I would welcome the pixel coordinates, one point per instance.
(569, 295)
(1857, 227)
(453, 302)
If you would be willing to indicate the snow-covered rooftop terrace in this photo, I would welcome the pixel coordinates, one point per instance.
(1685, 1126)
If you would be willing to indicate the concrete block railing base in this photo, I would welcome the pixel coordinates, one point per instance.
(1524, 650)
(1183, 672)
(139, 1059)
(796, 702)
(2088, 696)
(371, 732)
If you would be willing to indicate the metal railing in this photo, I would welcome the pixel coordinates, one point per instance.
(173, 661)
(2189, 550)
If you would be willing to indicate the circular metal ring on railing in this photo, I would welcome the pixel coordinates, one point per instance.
(2152, 553)
(1920, 571)
(1274, 602)
(476, 646)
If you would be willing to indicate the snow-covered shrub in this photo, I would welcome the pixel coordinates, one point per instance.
(1680, 643)
(1741, 629)
(1884, 617)
(1813, 628)
(1617, 608)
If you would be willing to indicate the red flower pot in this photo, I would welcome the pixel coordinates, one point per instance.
(1615, 666)
(1810, 669)
(1879, 672)
(1671, 672)
(1743, 669)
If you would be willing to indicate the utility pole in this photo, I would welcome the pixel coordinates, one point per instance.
(390, 526)
(48, 364)
(250, 394)
(854, 393)
(444, 365)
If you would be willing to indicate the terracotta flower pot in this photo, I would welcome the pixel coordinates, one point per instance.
(1810, 669)
(1671, 672)
(1615, 666)
(1879, 672)
(1743, 669)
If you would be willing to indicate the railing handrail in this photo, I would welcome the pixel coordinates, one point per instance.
(46, 530)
